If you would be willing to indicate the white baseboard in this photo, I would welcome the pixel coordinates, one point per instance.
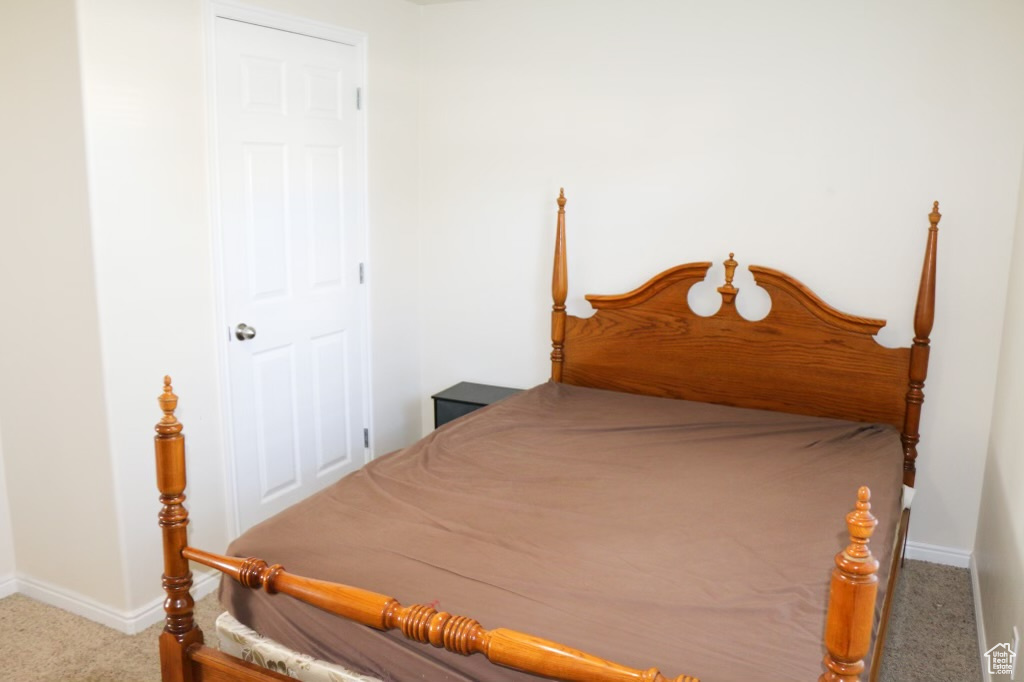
(8, 586)
(129, 622)
(70, 601)
(986, 676)
(937, 554)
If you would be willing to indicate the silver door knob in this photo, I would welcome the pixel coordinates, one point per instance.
(244, 332)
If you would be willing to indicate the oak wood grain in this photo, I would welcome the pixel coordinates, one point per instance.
(802, 358)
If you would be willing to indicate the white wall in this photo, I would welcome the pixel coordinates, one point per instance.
(810, 136)
(146, 132)
(142, 74)
(999, 552)
(7, 584)
(55, 447)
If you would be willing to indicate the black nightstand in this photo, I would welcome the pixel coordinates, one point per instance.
(464, 397)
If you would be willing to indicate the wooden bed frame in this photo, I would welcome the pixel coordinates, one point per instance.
(722, 358)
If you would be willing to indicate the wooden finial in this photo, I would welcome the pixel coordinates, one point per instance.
(861, 523)
(561, 199)
(168, 424)
(934, 217)
(728, 291)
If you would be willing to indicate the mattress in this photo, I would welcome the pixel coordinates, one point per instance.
(690, 537)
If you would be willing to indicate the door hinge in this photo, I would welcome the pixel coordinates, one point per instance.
(362, 273)
(366, 438)
(359, 98)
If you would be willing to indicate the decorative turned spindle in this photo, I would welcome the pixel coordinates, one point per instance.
(727, 290)
(180, 630)
(924, 317)
(851, 599)
(425, 624)
(559, 290)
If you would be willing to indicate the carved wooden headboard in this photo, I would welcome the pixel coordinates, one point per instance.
(804, 357)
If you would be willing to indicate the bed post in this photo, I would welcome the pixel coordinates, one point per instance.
(180, 631)
(851, 598)
(924, 316)
(559, 290)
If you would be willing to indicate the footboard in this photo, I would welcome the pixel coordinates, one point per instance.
(184, 658)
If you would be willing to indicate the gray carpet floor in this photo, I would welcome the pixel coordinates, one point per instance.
(932, 637)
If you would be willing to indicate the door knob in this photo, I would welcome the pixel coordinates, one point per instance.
(244, 332)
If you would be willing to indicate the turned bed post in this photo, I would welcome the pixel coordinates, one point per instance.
(559, 290)
(180, 631)
(924, 316)
(851, 598)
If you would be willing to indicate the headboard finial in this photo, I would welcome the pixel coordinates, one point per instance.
(934, 217)
(561, 199)
(728, 291)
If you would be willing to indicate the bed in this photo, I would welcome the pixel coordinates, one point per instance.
(670, 498)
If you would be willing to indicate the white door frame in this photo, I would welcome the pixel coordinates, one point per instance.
(228, 9)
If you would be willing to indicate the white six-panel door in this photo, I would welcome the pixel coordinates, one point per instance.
(289, 183)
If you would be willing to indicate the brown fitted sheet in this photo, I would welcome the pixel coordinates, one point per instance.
(691, 537)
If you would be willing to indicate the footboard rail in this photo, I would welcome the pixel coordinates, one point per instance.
(425, 624)
(183, 657)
